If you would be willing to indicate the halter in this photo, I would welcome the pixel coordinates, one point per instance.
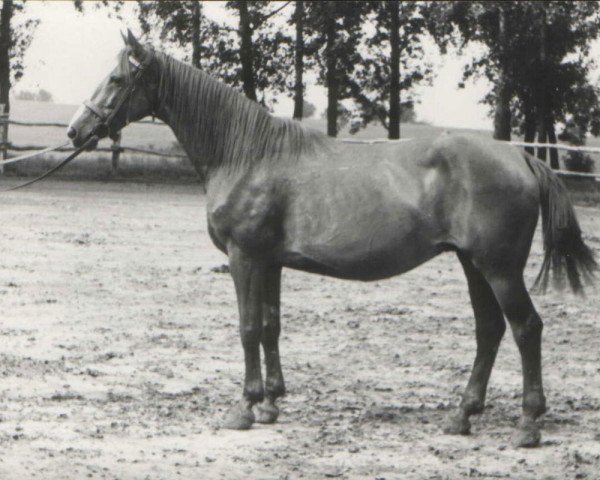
(106, 119)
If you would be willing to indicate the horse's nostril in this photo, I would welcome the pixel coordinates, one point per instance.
(71, 133)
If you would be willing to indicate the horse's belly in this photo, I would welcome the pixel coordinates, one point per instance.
(363, 251)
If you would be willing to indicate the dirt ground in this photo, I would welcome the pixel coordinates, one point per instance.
(120, 355)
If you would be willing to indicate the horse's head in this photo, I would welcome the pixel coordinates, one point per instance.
(124, 96)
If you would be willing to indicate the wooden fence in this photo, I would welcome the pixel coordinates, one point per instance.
(116, 148)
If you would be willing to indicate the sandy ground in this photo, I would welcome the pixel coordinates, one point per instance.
(120, 355)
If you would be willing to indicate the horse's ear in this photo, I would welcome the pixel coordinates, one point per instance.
(124, 38)
(136, 47)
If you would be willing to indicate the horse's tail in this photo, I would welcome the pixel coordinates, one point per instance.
(564, 248)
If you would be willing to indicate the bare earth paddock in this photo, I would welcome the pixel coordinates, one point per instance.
(120, 353)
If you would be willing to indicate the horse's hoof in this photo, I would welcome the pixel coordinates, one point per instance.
(266, 413)
(239, 419)
(457, 425)
(527, 436)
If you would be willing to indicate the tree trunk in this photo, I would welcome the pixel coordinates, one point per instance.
(554, 164)
(502, 114)
(530, 126)
(542, 107)
(5, 44)
(332, 80)
(196, 19)
(542, 138)
(395, 114)
(299, 61)
(246, 51)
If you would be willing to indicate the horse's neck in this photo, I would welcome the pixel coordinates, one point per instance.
(207, 153)
(220, 129)
(182, 134)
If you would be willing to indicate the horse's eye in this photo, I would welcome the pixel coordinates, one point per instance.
(116, 79)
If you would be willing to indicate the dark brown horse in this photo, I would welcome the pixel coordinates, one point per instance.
(280, 195)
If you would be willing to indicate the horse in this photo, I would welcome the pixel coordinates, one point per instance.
(282, 195)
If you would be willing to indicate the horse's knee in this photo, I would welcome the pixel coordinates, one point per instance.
(271, 324)
(250, 335)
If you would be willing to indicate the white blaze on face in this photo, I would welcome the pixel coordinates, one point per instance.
(77, 114)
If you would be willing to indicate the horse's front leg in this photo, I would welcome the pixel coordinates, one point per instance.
(267, 412)
(249, 279)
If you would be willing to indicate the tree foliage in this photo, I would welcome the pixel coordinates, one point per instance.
(333, 38)
(373, 83)
(269, 54)
(544, 60)
(182, 24)
(259, 67)
(16, 33)
(39, 96)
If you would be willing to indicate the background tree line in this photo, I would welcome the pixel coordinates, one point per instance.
(370, 54)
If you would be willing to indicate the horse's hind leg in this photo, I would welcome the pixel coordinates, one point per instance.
(527, 330)
(267, 412)
(489, 329)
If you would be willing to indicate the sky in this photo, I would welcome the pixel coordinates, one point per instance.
(72, 52)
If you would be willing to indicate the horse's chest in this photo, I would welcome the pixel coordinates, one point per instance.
(247, 216)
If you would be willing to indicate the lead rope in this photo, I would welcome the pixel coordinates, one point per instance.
(34, 154)
(90, 141)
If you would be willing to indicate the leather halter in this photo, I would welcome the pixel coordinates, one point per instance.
(107, 118)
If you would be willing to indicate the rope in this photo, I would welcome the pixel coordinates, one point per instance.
(55, 168)
(34, 154)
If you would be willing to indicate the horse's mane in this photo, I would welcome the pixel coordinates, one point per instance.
(220, 126)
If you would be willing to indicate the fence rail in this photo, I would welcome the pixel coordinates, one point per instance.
(112, 148)
(116, 148)
(65, 125)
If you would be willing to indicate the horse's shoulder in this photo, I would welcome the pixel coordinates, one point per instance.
(246, 210)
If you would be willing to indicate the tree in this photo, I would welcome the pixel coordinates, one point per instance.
(395, 63)
(15, 36)
(40, 96)
(537, 58)
(182, 24)
(298, 20)
(246, 49)
(331, 72)
(335, 33)
(502, 127)
(308, 109)
(264, 50)
(44, 96)
(5, 47)
(253, 56)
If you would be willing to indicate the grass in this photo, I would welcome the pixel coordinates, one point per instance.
(159, 137)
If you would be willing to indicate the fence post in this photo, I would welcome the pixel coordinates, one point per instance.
(116, 152)
(3, 134)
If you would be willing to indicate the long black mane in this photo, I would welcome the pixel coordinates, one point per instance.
(220, 127)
